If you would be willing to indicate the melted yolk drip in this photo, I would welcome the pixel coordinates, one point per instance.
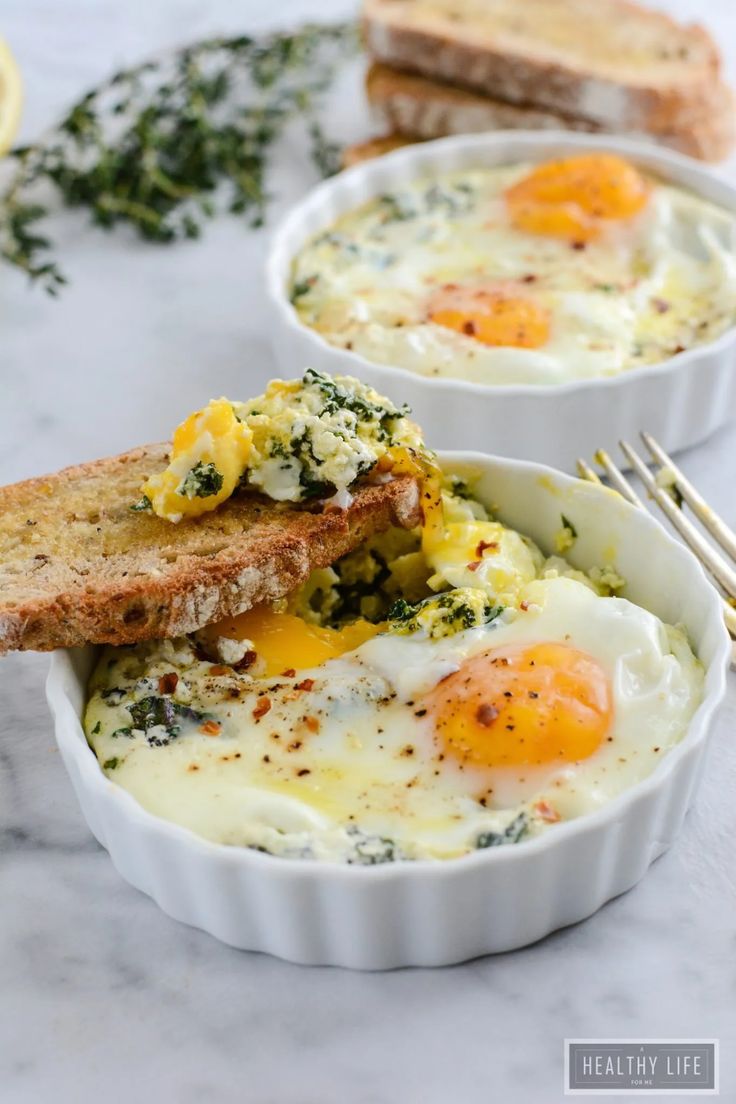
(405, 461)
(283, 641)
(573, 197)
(544, 704)
(491, 315)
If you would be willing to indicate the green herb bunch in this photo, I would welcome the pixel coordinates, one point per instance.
(169, 142)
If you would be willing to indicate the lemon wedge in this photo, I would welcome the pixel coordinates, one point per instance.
(11, 98)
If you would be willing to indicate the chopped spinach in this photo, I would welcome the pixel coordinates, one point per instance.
(567, 524)
(96, 729)
(111, 764)
(459, 487)
(512, 833)
(454, 201)
(278, 449)
(153, 712)
(372, 850)
(113, 695)
(302, 288)
(313, 488)
(201, 481)
(142, 505)
(336, 397)
(396, 208)
(455, 612)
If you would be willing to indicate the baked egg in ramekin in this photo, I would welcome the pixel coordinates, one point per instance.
(461, 872)
(550, 293)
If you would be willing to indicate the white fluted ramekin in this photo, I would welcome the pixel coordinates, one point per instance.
(432, 913)
(681, 400)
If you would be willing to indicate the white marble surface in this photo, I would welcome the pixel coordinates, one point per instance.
(101, 995)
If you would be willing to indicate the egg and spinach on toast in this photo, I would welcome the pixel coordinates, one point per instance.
(248, 500)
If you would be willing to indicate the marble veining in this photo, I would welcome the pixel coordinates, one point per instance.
(102, 997)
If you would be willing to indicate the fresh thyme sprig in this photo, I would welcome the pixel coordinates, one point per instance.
(169, 142)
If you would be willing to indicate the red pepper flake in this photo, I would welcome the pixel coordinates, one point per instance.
(660, 305)
(469, 328)
(544, 810)
(210, 728)
(192, 767)
(289, 672)
(305, 684)
(219, 669)
(312, 723)
(474, 565)
(482, 545)
(524, 605)
(530, 278)
(302, 772)
(167, 683)
(578, 246)
(247, 661)
(486, 714)
(261, 708)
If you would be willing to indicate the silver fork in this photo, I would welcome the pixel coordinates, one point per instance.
(670, 489)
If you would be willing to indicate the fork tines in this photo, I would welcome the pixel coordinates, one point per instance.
(670, 489)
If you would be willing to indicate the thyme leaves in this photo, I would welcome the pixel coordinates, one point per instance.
(168, 143)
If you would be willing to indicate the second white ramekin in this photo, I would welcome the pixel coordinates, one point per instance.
(680, 401)
(432, 913)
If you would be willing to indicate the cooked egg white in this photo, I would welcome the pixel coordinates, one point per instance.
(485, 275)
(481, 716)
(430, 694)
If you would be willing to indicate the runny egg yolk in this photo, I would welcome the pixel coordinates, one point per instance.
(401, 460)
(209, 454)
(284, 641)
(573, 197)
(522, 706)
(491, 315)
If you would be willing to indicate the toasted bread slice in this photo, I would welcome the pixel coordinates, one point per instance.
(373, 147)
(78, 566)
(612, 62)
(419, 108)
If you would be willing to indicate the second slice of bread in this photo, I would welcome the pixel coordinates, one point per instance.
(611, 62)
(416, 107)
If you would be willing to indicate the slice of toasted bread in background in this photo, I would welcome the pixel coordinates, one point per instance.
(78, 566)
(373, 147)
(612, 62)
(416, 107)
(423, 108)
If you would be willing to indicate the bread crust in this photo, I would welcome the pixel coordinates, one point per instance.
(77, 566)
(457, 53)
(373, 147)
(413, 106)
